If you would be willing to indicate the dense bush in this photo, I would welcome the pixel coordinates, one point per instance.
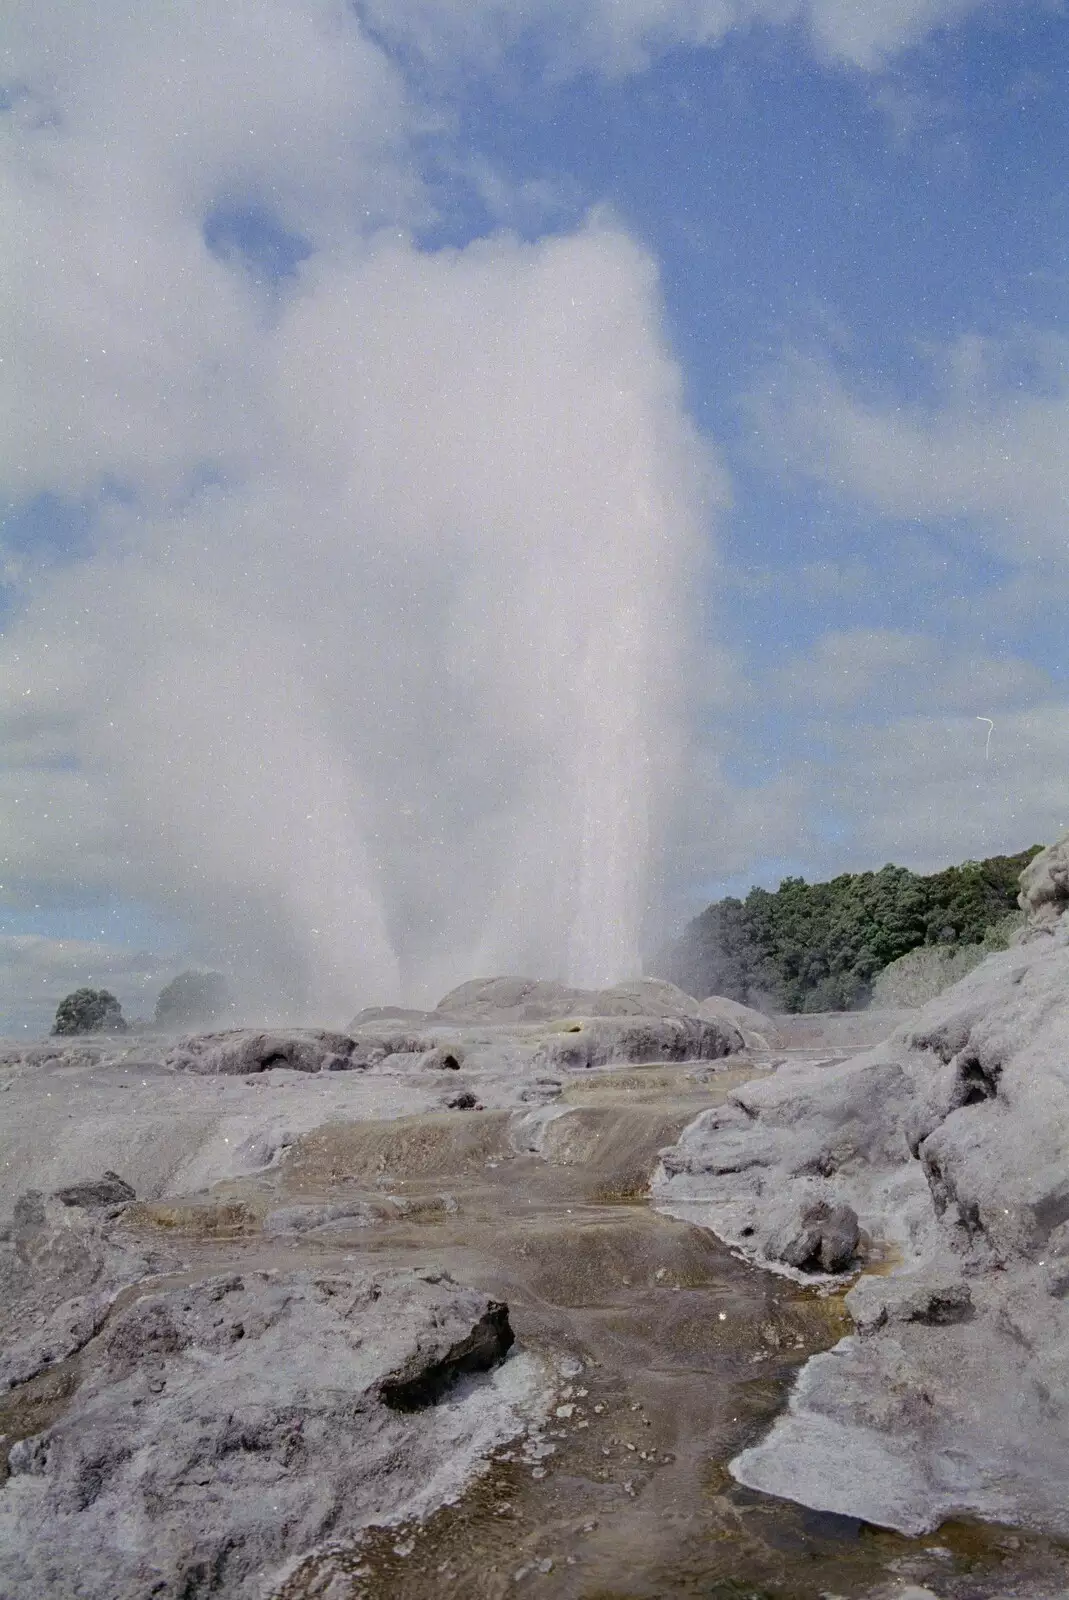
(191, 999)
(89, 1011)
(818, 947)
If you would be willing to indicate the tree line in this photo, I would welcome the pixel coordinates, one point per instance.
(818, 946)
(191, 999)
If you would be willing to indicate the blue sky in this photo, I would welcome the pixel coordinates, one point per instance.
(793, 274)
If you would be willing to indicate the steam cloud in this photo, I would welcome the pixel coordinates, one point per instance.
(370, 671)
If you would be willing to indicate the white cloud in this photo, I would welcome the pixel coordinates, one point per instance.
(395, 697)
(867, 33)
(620, 36)
(992, 449)
(927, 790)
(874, 671)
(125, 341)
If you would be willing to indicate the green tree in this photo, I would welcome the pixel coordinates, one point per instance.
(89, 1011)
(818, 946)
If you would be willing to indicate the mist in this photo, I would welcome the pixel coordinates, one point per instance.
(370, 670)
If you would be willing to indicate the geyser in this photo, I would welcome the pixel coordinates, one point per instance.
(392, 695)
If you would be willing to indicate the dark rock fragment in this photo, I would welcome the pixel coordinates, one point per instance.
(109, 1190)
(442, 1059)
(420, 1384)
(820, 1238)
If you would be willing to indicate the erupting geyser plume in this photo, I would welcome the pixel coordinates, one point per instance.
(369, 666)
(400, 702)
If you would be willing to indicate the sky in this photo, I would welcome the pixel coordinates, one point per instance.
(480, 480)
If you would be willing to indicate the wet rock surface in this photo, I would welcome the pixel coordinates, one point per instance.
(646, 1355)
(941, 1154)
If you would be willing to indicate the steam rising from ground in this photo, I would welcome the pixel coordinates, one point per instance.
(369, 670)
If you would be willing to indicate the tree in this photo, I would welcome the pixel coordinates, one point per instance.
(192, 999)
(818, 946)
(89, 1011)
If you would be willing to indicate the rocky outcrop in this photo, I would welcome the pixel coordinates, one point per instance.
(532, 1000)
(941, 1155)
(227, 1426)
(499, 1022)
(239, 1051)
(1045, 886)
(599, 1041)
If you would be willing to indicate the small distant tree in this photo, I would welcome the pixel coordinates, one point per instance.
(192, 998)
(89, 1011)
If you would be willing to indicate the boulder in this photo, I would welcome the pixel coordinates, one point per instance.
(815, 1237)
(110, 1190)
(600, 1041)
(61, 1269)
(503, 1000)
(512, 1000)
(644, 997)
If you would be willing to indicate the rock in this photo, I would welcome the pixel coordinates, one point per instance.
(230, 1425)
(1045, 885)
(599, 1041)
(758, 1031)
(464, 1101)
(61, 1269)
(644, 997)
(528, 1000)
(942, 1150)
(241, 1050)
(818, 1237)
(422, 1381)
(1056, 1262)
(511, 1000)
(304, 1217)
(935, 1295)
(391, 1014)
(441, 1059)
(110, 1190)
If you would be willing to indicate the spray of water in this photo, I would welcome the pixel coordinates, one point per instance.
(370, 671)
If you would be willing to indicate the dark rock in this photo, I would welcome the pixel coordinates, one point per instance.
(839, 1239)
(242, 1051)
(820, 1238)
(421, 1383)
(444, 1059)
(110, 1190)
